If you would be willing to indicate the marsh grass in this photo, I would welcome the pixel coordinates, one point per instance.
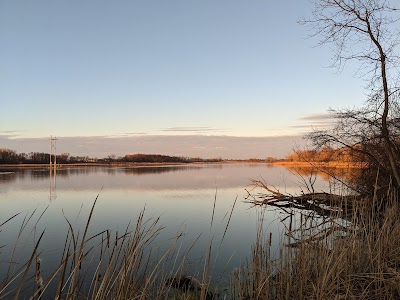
(343, 259)
(356, 258)
(108, 265)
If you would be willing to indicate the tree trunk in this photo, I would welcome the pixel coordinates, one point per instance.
(385, 130)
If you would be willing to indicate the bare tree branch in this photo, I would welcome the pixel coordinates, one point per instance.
(365, 31)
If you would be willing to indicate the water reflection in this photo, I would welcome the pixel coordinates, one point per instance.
(349, 175)
(43, 173)
(53, 183)
(163, 169)
(325, 173)
(7, 177)
(169, 178)
(181, 195)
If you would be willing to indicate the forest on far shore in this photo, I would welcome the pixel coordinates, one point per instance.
(9, 156)
(325, 154)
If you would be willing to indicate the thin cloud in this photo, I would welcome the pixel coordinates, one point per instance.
(191, 145)
(314, 121)
(312, 125)
(8, 131)
(11, 134)
(127, 134)
(317, 117)
(135, 133)
(190, 129)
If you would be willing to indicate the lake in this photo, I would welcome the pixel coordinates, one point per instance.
(183, 196)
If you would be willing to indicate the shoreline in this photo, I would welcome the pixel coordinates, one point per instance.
(90, 165)
(333, 164)
(299, 164)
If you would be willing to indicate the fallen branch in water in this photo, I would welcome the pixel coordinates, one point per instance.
(324, 204)
(318, 215)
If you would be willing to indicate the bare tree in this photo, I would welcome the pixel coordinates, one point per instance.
(366, 31)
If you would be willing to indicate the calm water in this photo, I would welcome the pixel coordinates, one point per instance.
(182, 196)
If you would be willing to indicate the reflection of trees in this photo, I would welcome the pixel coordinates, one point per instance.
(7, 177)
(45, 174)
(37, 174)
(350, 176)
(158, 170)
(312, 216)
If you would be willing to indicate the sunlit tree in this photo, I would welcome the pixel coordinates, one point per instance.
(365, 31)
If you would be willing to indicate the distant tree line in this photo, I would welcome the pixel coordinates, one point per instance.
(9, 156)
(157, 158)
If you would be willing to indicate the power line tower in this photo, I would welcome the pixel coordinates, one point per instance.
(53, 147)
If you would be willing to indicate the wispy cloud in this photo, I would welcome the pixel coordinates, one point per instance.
(126, 134)
(135, 133)
(317, 117)
(2, 132)
(192, 129)
(311, 125)
(315, 121)
(11, 133)
(192, 145)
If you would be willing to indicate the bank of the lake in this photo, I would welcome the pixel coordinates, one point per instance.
(311, 164)
(131, 164)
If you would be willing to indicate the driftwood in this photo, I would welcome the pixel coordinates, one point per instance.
(323, 204)
(321, 214)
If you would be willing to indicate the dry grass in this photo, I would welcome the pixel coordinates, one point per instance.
(330, 164)
(359, 259)
(108, 265)
(314, 262)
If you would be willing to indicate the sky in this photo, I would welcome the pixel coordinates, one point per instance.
(227, 78)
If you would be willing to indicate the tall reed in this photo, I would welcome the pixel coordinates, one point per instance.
(127, 265)
(359, 259)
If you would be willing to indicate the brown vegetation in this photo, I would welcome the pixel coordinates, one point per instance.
(327, 155)
(365, 32)
(338, 247)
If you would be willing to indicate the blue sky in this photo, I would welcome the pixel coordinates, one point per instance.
(144, 69)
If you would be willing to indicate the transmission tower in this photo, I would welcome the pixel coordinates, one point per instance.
(53, 146)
